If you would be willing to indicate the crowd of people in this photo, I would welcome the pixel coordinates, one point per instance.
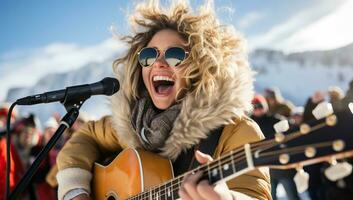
(270, 108)
(28, 137)
(184, 78)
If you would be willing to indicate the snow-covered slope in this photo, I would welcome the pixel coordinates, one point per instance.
(90, 73)
(299, 75)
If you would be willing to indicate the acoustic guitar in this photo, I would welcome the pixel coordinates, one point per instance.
(137, 174)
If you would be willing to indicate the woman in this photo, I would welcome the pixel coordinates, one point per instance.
(183, 76)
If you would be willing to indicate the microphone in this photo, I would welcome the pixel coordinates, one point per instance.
(107, 86)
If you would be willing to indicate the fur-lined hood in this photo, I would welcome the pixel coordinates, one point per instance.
(198, 116)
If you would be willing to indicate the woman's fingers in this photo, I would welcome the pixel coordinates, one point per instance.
(207, 191)
(183, 194)
(189, 186)
(202, 158)
(193, 189)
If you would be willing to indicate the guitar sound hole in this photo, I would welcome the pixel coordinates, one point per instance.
(111, 195)
(111, 198)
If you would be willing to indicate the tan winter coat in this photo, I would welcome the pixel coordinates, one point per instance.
(198, 117)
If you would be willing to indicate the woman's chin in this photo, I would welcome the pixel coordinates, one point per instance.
(162, 104)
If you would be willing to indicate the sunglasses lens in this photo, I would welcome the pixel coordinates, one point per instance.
(174, 56)
(258, 106)
(147, 56)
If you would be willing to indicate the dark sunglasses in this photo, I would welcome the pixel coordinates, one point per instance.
(174, 56)
(257, 106)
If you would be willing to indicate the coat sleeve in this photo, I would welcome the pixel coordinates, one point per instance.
(76, 159)
(255, 183)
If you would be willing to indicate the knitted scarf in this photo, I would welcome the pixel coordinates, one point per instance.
(153, 126)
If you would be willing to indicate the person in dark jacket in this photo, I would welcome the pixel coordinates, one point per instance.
(343, 188)
(266, 121)
(277, 104)
(346, 100)
(316, 187)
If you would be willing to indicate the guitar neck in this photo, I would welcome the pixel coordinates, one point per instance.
(317, 141)
(225, 168)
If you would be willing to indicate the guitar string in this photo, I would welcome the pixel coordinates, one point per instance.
(297, 148)
(226, 158)
(289, 137)
(294, 149)
(237, 152)
(231, 156)
(176, 181)
(175, 185)
(163, 191)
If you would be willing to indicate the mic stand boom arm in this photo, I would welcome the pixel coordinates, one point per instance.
(72, 105)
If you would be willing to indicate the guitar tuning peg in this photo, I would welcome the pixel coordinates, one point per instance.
(331, 120)
(301, 180)
(322, 110)
(279, 137)
(281, 126)
(304, 128)
(338, 170)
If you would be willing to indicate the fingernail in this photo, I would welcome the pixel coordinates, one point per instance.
(200, 153)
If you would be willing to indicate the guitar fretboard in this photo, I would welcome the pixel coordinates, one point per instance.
(324, 138)
(223, 168)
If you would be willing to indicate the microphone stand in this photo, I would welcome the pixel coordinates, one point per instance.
(72, 105)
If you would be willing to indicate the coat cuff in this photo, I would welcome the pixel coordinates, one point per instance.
(73, 178)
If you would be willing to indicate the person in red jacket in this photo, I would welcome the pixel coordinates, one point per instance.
(16, 170)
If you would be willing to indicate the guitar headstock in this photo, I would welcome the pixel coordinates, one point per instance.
(326, 139)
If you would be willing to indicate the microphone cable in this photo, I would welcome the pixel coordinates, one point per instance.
(8, 155)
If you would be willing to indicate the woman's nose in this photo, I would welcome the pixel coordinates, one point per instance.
(161, 62)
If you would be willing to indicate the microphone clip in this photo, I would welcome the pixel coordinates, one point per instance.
(72, 100)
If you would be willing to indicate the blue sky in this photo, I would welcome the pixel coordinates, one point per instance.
(40, 37)
(28, 24)
(31, 24)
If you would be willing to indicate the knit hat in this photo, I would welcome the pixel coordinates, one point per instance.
(335, 93)
(4, 110)
(274, 93)
(259, 102)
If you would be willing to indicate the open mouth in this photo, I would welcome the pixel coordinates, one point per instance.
(163, 85)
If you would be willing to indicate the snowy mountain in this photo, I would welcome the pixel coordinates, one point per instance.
(297, 75)
(96, 105)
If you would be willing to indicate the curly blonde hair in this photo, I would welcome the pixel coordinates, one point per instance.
(214, 49)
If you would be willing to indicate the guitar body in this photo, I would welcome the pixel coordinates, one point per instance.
(130, 173)
(142, 175)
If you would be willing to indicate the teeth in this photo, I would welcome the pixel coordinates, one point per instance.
(162, 78)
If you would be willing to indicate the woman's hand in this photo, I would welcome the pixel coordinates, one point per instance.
(192, 189)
